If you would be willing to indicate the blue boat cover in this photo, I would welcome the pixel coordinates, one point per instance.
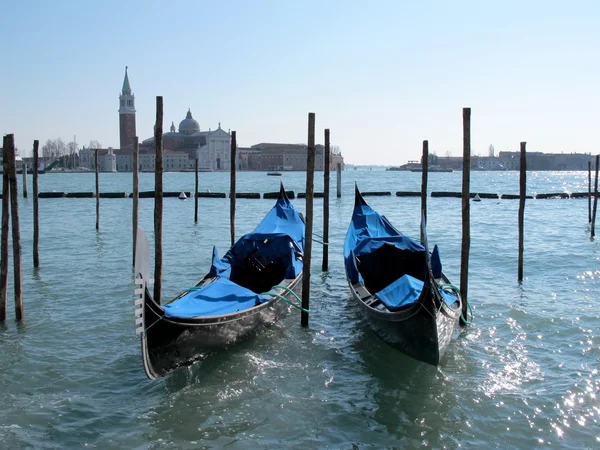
(220, 297)
(369, 231)
(278, 237)
(404, 291)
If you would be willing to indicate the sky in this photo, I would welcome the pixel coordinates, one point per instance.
(382, 75)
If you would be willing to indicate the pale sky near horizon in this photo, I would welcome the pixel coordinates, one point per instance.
(382, 75)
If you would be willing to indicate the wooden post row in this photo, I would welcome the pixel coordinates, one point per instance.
(522, 197)
(310, 174)
(136, 193)
(158, 200)
(466, 214)
(326, 168)
(36, 217)
(232, 188)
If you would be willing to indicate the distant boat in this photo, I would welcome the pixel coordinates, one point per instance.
(433, 169)
(274, 174)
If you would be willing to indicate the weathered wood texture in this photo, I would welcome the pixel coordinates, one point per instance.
(310, 178)
(158, 200)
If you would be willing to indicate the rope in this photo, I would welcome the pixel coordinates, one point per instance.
(155, 322)
(451, 287)
(281, 297)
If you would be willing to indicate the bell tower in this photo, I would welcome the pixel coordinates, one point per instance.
(126, 115)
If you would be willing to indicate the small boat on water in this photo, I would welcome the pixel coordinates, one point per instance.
(252, 285)
(399, 285)
(274, 174)
(433, 169)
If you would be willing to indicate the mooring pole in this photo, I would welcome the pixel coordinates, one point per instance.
(232, 189)
(136, 193)
(595, 197)
(425, 166)
(310, 179)
(36, 210)
(466, 214)
(158, 200)
(16, 235)
(97, 192)
(326, 164)
(590, 191)
(522, 197)
(24, 180)
(339, 179)
(196, 194)
(4, 236)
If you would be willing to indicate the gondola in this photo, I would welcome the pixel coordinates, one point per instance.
(399, 285)
(251, 286)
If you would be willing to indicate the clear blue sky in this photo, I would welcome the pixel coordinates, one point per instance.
(382, 76)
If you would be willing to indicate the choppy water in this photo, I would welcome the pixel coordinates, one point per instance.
(524, 375)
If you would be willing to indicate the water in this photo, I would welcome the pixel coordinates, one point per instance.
(523, 375)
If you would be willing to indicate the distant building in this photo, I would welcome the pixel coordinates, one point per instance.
(107, 159)
(271, 156)
(126, 115)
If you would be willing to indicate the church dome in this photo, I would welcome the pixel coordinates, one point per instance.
(189, 125)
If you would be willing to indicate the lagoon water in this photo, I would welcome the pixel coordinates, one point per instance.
(523, 375)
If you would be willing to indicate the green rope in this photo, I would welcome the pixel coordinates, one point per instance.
(466, 320)
(320, 242)
(288, 290)
(157, 320)
(281, 297)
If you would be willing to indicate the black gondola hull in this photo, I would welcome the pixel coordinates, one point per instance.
(168, 344)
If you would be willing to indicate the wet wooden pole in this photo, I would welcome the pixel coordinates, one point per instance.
(136, 193)
(5, 225)
(595, 197)
(24, 180)
(16, 235)
(589, 191)
(326, 164)
(158, 200)
(232, 188)
(522, 197)
(425, 166)
(466, 214)
(196, 194)
(97, 191)
(339, 179)
(36, 209)
(310, 178)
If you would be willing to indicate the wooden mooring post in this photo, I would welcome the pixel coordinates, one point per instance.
(5, 225)
(593, 233)
(97, 191)
(466, 214)
(16, 234)
(232, 189)
(522, 195)
(326, 168)
(196, 194)
(36, 206)
(158, 200)
(136, 193)
(424, 165)
(24, 180)
(590, 191)
(339, 179)
(310, 178)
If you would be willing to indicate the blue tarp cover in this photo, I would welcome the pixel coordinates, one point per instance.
(222, 296)
(404, 291)
(280, 236)
(367, 232)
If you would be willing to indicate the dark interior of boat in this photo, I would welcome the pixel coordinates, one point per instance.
(388, 263)
(258, 273)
